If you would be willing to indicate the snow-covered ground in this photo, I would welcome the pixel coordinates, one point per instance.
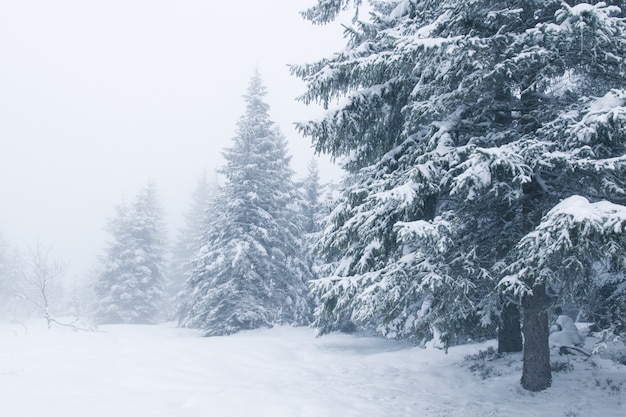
(154, 371)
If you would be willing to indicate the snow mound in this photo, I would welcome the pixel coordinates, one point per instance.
(567, 333)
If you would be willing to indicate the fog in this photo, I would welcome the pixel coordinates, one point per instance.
(98, 97)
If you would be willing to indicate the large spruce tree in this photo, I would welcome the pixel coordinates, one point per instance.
(251, 271)
(189, 239)
(462, 125)
(130, 286)
(311, 191)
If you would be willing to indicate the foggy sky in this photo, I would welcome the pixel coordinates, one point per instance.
(98, 97)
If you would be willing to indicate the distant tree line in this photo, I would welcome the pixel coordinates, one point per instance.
(240, 262)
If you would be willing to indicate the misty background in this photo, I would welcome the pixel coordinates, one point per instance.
(97, 98)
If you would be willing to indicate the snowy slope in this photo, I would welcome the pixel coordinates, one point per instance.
(158, 371)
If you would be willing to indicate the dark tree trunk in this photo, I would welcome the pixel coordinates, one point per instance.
(503, 102)
(510, 332)
(536, 374)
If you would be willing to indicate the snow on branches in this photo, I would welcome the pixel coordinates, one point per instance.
(568, 238)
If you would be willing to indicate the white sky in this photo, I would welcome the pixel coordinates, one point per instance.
(97, 97)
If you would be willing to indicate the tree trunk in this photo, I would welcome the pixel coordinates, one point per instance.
(510, 332)
(503, 101)
(536, 374)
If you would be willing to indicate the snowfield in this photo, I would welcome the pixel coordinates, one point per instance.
(156, 371)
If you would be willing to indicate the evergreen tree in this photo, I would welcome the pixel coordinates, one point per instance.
(250, 271)
(462, 124)
(190, 237)
(563, 251)
(311, 214)
(130, 286)
(311, 190)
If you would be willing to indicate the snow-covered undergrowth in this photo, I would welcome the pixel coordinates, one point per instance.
(164, 371)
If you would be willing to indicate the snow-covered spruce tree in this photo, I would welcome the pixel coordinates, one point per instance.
(311, 209)
(311, 191)
(563, 251)
(189, 239)
(130, 286)
(251, 270)
(461, 124)
(388, 273)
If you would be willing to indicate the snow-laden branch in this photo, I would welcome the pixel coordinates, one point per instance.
(326, 11)
(576, 213)
(573, 231)
(591, 118)
(491, 168)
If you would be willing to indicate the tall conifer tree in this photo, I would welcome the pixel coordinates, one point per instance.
(462, 125)
(251, 271)
(311, 191)
(130, 286)
(189, 239)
